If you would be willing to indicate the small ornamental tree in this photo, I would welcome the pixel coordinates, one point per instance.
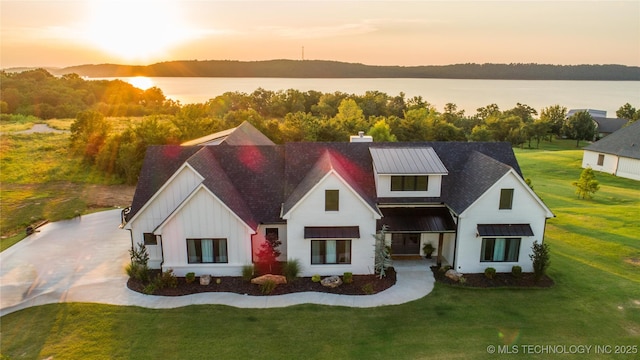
(587, 185)
(268, 252)
(540, 258)
(382, 253)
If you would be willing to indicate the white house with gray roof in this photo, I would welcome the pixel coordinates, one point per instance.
(208, 208)
(617, 154)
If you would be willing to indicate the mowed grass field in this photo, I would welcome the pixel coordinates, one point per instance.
(595, 247)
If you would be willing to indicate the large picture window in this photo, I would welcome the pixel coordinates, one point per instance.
(410, 183)
(207, 251)
(331, 252)
(500, 249)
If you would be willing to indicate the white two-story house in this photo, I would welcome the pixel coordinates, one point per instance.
(208, 208)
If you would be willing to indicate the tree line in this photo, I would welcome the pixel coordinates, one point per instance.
(336, 69)
(284, 116)
(39, 93)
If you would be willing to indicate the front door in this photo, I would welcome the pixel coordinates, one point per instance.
(405, 244)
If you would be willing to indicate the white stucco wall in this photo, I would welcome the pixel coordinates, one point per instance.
(310, 211)
(177, 188)
(205, 216)
(590, 159)
(525, 210)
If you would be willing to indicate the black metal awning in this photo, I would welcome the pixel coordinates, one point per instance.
(504, 230)
(435, 220)
(331, 232)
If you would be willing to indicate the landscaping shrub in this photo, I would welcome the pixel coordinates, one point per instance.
(540, 258)
(166, 279)
(190, 277)
(490, 272)
(347, 277)
(462, 280)
(291, 269)
(367, 288)
(516, 271)
(149, 289)
(316, 278)
(268, 287)
(138, 271)
(247, 272)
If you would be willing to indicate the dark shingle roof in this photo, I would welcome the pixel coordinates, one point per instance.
(609, 125)
(624, 142)
(160, 163)
(257, 181)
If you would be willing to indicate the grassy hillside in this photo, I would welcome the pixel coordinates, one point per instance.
(595, 249)
(43, 180)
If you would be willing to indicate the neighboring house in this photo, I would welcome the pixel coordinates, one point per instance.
(604, 125)
(617, 154)
(207, 209)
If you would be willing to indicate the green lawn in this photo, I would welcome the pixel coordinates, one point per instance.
(596, 301)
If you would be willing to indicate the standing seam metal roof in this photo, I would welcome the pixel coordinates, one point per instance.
(406, 160)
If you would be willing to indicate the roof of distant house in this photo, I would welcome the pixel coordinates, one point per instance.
(244, 134)
(624, 142)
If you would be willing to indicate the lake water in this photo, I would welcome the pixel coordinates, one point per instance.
(466, 94)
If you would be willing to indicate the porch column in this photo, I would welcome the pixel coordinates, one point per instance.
(440, 244)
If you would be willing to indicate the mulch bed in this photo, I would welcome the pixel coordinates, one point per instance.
(500, 280)
(237, 285)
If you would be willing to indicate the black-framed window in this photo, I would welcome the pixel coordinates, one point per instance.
(331, 200)
(500, 250)
(410, 183)
(331, 252)
(271, 233)
(150, 239)
(600, 159)
(506, 199)
(207, 251)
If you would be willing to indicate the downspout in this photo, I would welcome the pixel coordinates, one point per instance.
(161, 252)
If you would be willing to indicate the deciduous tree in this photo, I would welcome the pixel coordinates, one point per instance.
(580, 126)
(587, 185)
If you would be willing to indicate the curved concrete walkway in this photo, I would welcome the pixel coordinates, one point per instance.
(83, 260)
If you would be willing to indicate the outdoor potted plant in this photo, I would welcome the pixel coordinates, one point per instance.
(428, 249)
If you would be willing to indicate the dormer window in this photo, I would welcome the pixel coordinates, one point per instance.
(407, 172)
(410, 183)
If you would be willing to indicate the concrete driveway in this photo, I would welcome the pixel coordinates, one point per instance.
(83, 260)
(75, 260)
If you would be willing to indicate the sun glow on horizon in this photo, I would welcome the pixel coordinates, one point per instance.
(136, 29)
(141, 82)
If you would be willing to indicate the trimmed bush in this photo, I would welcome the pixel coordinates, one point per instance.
(316, 278)
(490, 272)
(516, 271)
(291, 269)
(190, 277)
(347, 278)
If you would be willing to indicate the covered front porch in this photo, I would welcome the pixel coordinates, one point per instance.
(411, 228)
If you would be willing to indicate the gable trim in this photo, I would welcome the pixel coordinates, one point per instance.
(375, 212)
(161, 190)
(523, 184)
(201, 186)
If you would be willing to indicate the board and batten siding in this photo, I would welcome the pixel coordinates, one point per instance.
(174, 192)
(353, 211)
(204, 216)
(526, 209)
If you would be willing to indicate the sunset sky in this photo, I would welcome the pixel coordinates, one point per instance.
(65, 33)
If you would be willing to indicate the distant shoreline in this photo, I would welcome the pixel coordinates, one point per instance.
(333, 69)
